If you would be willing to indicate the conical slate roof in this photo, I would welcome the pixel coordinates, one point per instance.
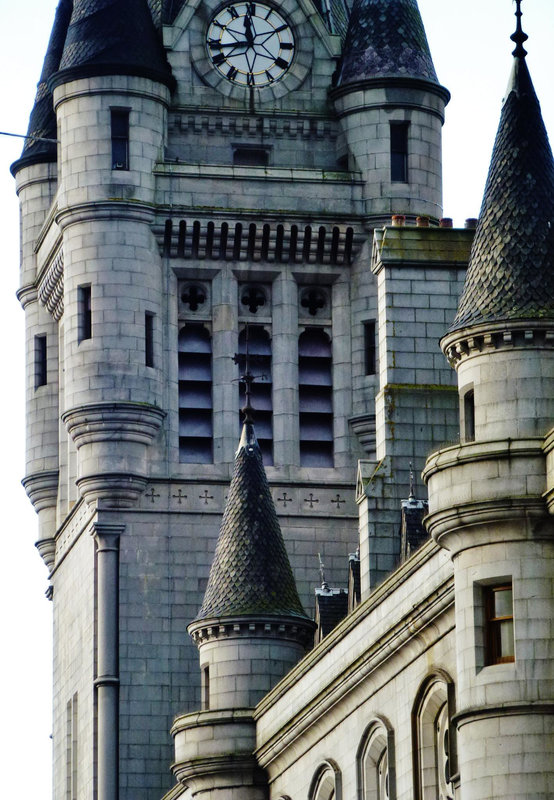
(385, 39)
(42, 122)
(251, 574)
(113, 37)
(511, 267)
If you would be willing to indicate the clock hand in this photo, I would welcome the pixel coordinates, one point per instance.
(248, 29)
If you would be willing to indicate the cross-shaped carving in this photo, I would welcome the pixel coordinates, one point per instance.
(152, 495)
(253, 298)
(311, 500)
(205, 497)
(194, 296)
(179, 496)
(284, 499)
(337, 500)
(314, 300)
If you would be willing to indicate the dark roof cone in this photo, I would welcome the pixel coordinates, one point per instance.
(511, 268)
(385, 39)
(251, 573)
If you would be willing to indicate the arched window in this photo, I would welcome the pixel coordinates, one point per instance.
(315, 398)
(195, 395)
(434, 746)
(376, 763)
(326, 783)
(259, 356)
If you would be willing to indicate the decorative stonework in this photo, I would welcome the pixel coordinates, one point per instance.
(276, 127)
(120, 421)
(51, 283)
(280, 628)
(467, 342)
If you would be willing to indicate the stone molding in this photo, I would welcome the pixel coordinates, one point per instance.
(120, 421)
(135, 211)
(399, 84)
(112, 489)
(217, 239)
(51, 285)
(488, 337)
(27, 294)
(549, 452)
(42, 488)
(497, 496)
(230, 761)
(310, 127)
(47, 551)
(263, 627)
(504, 710)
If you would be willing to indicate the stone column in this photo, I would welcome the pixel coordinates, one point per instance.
(285, 371)
(107, 658)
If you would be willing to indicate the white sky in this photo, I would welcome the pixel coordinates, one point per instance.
(470, 43)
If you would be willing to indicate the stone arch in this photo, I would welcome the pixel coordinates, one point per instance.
(376, 761)
(326, 783)
(433, 738)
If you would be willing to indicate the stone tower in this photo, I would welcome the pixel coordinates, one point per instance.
(490, 497)
(186, 199)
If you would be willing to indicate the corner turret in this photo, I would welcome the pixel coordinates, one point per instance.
(387, 86)
(490, 498)
(250, 631)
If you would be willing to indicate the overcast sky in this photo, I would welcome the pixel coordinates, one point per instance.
(470, 44)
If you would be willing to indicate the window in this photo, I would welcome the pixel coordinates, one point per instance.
(326, 783)
(399, 151)
(370, 353)
(499, 616)
(40, 361)
(149, 339)
(376, 763)
(195, 395)
(120, 138)
(468, 425)
(71, 754)
(434, 748)
(250, 156)
(259, 357)
(84, 303)
(205, 688)
(315, 398)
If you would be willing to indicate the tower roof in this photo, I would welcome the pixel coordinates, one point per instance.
(251, 573)
(511, 268)
(42, 122)
(113, 37)
(385, 39)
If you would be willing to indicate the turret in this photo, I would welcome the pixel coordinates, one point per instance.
(250, 631)
(36, 180)
(391, 108)
(488, 496)
(110, 94)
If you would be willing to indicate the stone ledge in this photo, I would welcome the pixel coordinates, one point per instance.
(118, 421)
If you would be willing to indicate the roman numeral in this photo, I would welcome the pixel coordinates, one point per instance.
(269, 76)
(214, 44)
(232, 72)
(233, 12)
(280, 62)
(219, 59)
(286, 45)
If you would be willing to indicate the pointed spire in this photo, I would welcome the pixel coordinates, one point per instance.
(511, 268)
(385, 39)
(107, 37)
(251, 573)
(42, 122)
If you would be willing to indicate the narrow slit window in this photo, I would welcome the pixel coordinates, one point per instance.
(500, 624)
(120, 139)
(370, 349)
(469, 416)
(149, 339)
(399, 151)
(206, 688)
(84, 301)
(41, 377)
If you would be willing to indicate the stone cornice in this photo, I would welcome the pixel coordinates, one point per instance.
(501, 710)
(487, 337)
(117, 421)
(293, 628)
(42, 488)
(121, 209)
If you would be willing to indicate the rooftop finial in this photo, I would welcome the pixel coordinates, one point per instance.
(248, 379)
(324, 584)
(519, 36)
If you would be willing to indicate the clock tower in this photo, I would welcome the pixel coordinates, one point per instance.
(219, 171)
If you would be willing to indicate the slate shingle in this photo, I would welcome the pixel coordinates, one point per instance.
(511, 267)
(251, 573)
(385, 38)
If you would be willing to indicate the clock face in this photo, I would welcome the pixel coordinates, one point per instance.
(250, 44)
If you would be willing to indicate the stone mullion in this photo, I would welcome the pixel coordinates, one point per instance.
(285, 371)
(224, 371)
(342, 373)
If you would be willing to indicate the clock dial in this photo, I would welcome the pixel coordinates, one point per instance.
(250, 44)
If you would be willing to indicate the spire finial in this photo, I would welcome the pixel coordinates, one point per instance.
(519, 36)
(324, 584)
(411, 496)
